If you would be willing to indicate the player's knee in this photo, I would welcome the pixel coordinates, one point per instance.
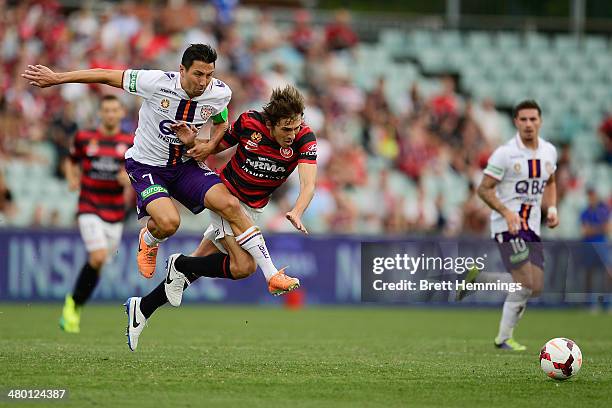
(97, 259)
(536, 289)
(230, 208)
(168, 224)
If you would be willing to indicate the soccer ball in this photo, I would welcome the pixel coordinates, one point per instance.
(560, 358)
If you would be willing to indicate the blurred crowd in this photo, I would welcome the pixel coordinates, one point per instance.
(382, 169)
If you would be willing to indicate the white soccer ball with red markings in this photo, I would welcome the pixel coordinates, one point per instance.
(560, 358)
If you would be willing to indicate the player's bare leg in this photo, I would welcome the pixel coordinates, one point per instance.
(164, 222)
(205, 248)
(531, 279)
(249, 237)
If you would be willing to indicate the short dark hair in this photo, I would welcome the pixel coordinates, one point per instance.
(526, 104)
(198, 52)
(285, 103)
(109, 97)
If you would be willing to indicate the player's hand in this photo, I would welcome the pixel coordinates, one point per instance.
(552, 219)
(73, 184)
(40, 76)
(296, 221)
(123, 178)
(201, 150)
(514, 222)
(186, 133)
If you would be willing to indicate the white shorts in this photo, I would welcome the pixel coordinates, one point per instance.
(99, 234)
(219, 227)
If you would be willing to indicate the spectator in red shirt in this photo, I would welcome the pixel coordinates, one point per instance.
(446, 103)
(302, 36)
(339, 35)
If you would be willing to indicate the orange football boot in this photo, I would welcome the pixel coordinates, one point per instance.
(280, 283)
(146, 256)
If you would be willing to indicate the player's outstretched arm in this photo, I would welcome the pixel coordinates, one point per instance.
(486, 191)
(42, 76)
(549, 202)
(308, 178)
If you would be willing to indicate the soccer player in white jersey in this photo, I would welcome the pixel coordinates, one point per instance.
(518, 182)
(158, 165)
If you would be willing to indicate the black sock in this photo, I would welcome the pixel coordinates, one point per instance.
(211, 266)
(154, 300)
(85, 284)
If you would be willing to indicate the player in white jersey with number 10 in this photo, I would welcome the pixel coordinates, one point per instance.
(518, 183)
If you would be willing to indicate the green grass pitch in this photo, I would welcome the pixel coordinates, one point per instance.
(203, 356)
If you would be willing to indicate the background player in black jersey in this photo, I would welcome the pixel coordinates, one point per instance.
(97, 169)
(270, 145)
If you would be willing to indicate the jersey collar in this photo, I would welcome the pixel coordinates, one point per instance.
(521, 146)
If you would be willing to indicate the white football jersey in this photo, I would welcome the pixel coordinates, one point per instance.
(522, 174)
(166, 103)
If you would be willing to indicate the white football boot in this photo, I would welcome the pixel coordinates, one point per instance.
(175, 282)
(136, 321)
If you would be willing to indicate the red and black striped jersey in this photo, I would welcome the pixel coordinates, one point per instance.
(260, 165)
(101, 158)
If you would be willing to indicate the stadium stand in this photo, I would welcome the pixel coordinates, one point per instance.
(405, 123)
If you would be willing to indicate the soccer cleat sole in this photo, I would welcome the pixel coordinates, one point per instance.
(289, 289)
(127, 328)
(504, 346)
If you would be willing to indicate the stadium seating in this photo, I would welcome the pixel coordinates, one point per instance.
(570, 79)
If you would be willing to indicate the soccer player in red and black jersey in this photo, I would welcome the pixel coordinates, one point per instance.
(269, 146)
(97, 168)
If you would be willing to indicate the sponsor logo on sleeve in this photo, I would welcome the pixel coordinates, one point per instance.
(311, 150)
(132, 81)
(497, 171)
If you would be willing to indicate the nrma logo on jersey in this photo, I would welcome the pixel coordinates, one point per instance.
(533, 187)
(271, 167)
